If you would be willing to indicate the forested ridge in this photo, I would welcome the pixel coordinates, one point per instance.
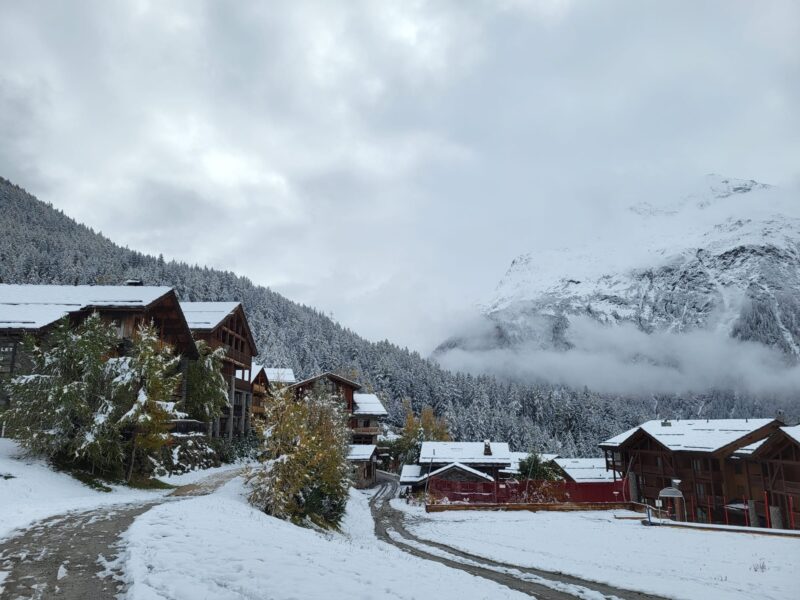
(41, 245)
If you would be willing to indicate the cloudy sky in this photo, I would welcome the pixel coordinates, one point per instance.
(385, 161)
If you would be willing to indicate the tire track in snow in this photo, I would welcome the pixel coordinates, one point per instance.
(389, 526)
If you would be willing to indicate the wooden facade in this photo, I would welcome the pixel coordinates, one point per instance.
(157, 306)
(261, 391)
(711, 480)
(224, 325)
(772, 476)
(329, 383)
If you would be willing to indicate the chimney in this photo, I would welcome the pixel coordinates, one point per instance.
(487, 448)
(134, 282)
(666, 423)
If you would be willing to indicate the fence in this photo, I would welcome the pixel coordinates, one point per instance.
(525, 492)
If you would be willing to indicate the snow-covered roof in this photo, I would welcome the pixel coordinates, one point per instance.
(417, 473)
(255, 369)
(35, 306)
(207, 315)
(750, 448)
(278, 375)
(464, 453)
(361, 452)
(695, 435)
(585, 470)
(368, 404)
(792, 432)
(329, 375)
(410, 474)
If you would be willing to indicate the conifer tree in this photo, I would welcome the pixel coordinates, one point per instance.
(61, 408)
(207, 392)
(150, 379)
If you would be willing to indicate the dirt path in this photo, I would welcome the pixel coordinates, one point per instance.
(390, 527)
(71, 556)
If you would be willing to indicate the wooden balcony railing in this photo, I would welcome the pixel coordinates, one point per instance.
(366, 430)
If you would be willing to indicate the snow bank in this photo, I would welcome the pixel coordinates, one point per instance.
(219, 547)
(35, 491)
(677, 563)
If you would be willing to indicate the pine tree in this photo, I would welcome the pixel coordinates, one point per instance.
(207, 393)
(61, 408)
(150, 378)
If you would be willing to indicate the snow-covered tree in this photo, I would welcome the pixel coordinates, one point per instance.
(206, 390)
(304, 476)
(61, 409)
(150, 378)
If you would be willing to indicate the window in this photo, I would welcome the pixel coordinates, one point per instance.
(697, 464)
(6, 354)
(700, 490)
(366, 423)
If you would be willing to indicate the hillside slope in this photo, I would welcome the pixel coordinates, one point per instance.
(39, 244)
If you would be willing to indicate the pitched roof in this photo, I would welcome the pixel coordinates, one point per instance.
(792, 432)
(31, 307)
(255, 369)
(361, 452)
(464, 453)
(330, 375)
(694, 435)
(585, 470)
(410, 474)
(278, 375)
(368, 404)
(205, 316)
(415, 473)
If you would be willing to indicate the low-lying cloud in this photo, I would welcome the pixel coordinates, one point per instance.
(624, 360)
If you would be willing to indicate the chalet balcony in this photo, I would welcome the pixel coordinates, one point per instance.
(237, 356)
(366, 430)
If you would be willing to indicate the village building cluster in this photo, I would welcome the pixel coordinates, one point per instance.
(729, 471)
(36, 309)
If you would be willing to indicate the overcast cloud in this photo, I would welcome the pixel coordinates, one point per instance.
(385, 161)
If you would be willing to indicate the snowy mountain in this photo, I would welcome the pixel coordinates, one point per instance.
(39, 244)
(723, 259)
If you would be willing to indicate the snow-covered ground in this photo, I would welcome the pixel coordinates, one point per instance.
(34, 491)
(676, 563)
(219, 547)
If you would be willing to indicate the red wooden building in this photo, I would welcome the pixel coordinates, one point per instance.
(224, 324)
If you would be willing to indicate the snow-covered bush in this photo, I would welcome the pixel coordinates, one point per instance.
(186, 452)
(63, 407)
(81, 406)
(304, 475)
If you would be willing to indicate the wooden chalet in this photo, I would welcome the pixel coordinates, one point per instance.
(772, 475)
(261, 393)
(224, 325)
(583, 470)
(364, 414)
(36, 309)
(331, 383)
(279, 378)
(697, 453)
(458, 461)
